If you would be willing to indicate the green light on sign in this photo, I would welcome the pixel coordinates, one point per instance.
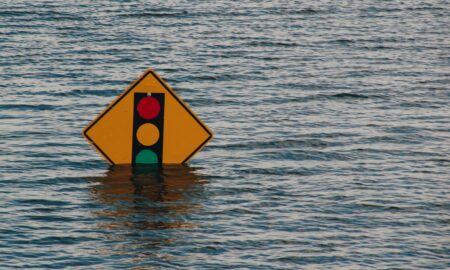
(146, 157)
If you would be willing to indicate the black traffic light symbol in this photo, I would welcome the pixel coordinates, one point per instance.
(148, 128)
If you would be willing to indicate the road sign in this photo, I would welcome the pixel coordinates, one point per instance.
(147, 124)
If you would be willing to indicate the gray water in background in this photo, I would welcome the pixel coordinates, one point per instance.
(331, 146)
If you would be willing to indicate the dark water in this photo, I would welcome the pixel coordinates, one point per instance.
(331, 146)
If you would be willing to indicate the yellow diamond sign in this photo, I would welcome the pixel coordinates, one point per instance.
(147, 124)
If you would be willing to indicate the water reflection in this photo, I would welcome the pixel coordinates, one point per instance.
(150, 198)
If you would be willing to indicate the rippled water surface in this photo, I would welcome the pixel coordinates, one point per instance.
(331, 148)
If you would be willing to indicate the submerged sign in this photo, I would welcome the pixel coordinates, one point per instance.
(147, 124)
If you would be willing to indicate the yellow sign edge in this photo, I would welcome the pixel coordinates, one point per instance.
(124, 93)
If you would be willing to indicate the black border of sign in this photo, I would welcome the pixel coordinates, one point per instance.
(149, 71)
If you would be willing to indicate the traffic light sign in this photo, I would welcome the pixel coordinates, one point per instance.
(148, 123)
(148, 128)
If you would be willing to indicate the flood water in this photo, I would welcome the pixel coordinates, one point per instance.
(331, 147)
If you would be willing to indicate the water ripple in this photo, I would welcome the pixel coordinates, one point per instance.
(331, 145)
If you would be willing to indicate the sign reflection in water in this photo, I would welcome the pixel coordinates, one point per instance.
(148, 198)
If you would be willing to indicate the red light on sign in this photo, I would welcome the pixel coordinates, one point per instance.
(148, 107)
